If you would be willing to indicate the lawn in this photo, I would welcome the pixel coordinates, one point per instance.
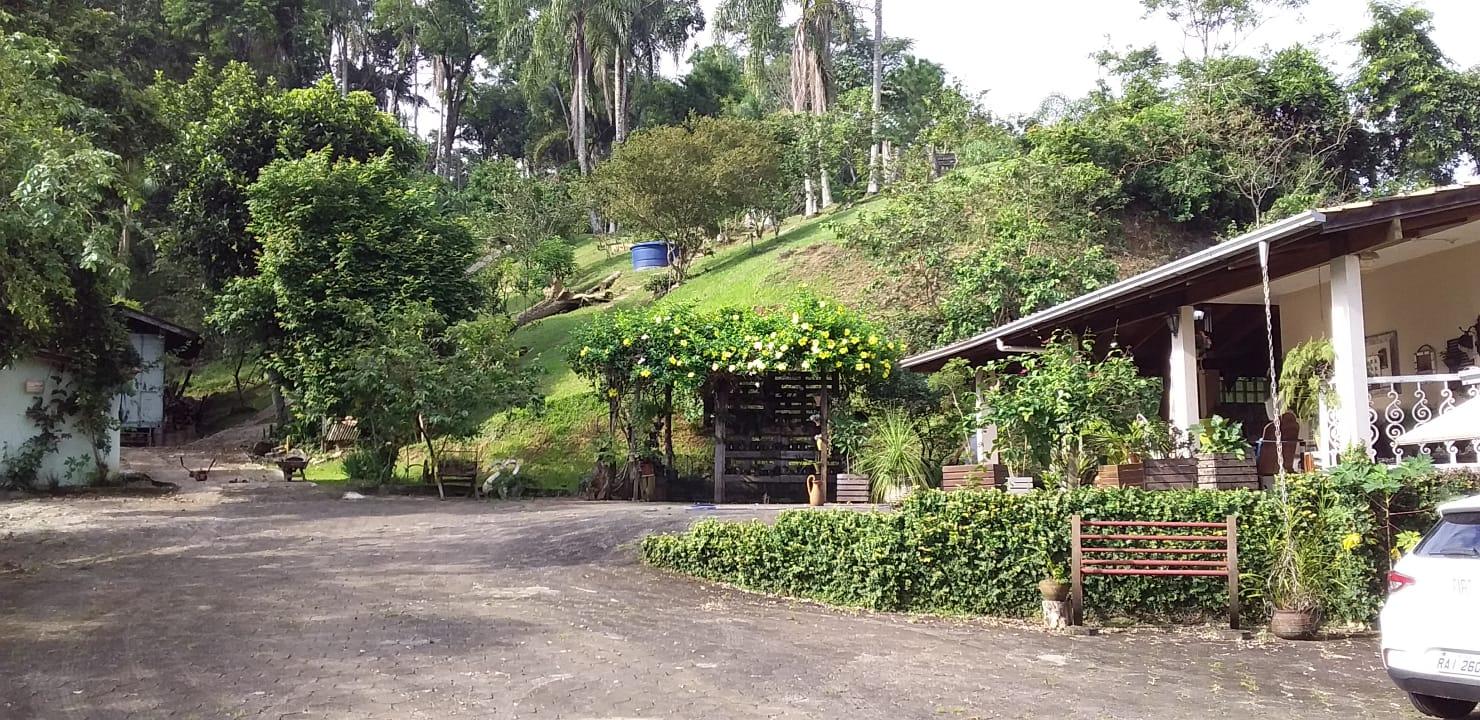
(559, 443)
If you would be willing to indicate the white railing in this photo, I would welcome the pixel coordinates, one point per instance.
(1399, 403)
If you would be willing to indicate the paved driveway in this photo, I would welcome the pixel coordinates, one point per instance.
(275, 600)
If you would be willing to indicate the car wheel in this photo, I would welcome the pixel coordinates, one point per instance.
(1441, 707)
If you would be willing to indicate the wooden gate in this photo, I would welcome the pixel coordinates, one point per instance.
(1164, 549)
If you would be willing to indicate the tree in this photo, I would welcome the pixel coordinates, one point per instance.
(875, 156)
(810, 78)
(57, 275)
(1205, 21)
(423, 381)
(53, 183)
(523, 223)
(682, 183)
(233, 124)
(1421, 109)
(283, 39)
(455, 35)
(346, 245)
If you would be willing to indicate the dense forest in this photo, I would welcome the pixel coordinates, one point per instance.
(361, 199)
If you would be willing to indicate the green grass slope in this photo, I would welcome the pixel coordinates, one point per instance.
(559, 444)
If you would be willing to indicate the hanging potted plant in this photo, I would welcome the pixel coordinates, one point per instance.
(1296, 578)
(1223, 461)
(891, 457)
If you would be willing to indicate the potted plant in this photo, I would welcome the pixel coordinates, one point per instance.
(847, 433)
(891, 457)
(1054, 587)
(1296, 579)
(1223, 461)
(1124, 451)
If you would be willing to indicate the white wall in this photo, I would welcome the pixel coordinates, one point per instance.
(16, 428)
(1426, 300)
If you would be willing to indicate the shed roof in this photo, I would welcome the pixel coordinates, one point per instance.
(178, 339)
(1296, 243)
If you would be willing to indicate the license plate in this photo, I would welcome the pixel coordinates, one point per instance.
(1452, 663)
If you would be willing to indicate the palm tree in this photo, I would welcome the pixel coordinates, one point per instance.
(811, 58)
(875, 150)
(641, 31)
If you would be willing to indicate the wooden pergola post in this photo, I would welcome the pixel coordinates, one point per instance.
(824, 446)
(721, 409)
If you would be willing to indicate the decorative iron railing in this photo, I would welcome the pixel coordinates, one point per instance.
(1399, 403)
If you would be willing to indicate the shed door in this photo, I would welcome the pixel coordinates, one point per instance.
(144, 407)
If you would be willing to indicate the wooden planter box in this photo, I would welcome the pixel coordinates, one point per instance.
(1121, 476)
(962, 477)
(1170, 473)
(852, 488)
(1225, 471)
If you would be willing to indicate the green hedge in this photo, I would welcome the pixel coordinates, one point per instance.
(981, 552)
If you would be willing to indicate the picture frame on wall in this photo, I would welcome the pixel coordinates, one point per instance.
(1425, 360)
(1382, 354)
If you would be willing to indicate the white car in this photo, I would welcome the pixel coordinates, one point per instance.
(1431, 621)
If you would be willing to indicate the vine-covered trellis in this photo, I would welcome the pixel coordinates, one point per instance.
(766, 374)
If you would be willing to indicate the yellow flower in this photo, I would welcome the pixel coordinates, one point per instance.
(873, 339)
(691, 373)
(672, 360)
(863, 355)
(858, 367)
(611, 393)
(1351, 541)
(585, 350)
(725, 355)
(645, 372)
(627, 342)
(683, 343)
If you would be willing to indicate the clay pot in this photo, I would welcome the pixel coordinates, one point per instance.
(1293, 624)
(816, 491)
(1055, 590)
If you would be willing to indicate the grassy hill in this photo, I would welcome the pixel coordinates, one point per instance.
(558, 444)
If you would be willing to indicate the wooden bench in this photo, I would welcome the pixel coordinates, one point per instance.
(1116, 547)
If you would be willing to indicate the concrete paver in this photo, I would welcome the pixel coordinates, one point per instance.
(274, 600)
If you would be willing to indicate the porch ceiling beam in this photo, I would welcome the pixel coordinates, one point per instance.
(1282, 262)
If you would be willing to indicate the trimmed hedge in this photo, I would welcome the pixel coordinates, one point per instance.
(981, 552)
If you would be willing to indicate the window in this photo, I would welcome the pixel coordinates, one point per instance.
(1458, 534)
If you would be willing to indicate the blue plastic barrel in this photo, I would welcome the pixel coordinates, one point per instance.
(649, 255)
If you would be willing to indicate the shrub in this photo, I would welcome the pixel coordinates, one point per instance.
(981, 552)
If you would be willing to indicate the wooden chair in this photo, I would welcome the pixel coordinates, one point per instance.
(457, 468)
(1266, 459)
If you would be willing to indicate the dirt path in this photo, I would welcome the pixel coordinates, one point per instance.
(270, 599)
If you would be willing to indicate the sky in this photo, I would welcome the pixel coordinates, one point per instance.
(1019, 52)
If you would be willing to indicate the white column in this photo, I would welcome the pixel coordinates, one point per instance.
(1349, 340)
(985, 436)
(1183, 405)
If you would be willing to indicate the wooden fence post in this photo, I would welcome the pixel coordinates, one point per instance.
(1233, 602)
(1076, 587)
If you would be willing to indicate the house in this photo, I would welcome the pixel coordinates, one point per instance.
(1393, 283)
(141, 408)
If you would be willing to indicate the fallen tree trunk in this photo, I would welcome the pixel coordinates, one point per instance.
(559, 299)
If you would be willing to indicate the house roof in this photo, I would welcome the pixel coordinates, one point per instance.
(1295, 243)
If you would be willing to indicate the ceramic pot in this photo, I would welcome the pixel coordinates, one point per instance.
(1293, 624)
(816, 491)
(1055, 590)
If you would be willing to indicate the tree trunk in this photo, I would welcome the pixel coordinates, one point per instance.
(343, 62)
(809, 202)
(874, 151)
(619, 98)
(826, 184)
